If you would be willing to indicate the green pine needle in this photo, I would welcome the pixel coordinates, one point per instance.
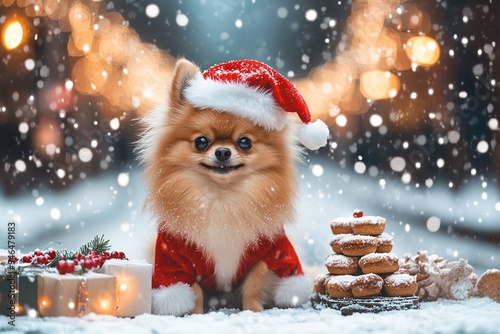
(98, 244)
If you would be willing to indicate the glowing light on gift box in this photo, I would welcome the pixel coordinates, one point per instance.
(13, 35)
(423, 50)
(133, 285)
(378, 85)
(44, 302)
(127, 289)
(104, 302)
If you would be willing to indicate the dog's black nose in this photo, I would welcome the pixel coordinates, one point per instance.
(223, 154)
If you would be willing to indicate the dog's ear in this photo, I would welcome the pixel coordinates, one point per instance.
(183, 72)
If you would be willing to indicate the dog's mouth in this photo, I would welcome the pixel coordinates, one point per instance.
(221, 169)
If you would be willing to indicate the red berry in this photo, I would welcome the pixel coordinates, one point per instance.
(106, 255)
(47, 258)
(88, 264)
(51, 253)
(27, 259)
(13, 259)
(114, 255)
(41, 259)
(70, 267)
(93, 253)
(78, 256)
(357, 214)
(96, 262)
(61, 266)
(121, 255)
(38, 252)
(76, 262)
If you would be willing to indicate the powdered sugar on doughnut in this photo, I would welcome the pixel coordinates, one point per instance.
(399, 280)
(337, 279)
(338, 237)
(338, 260)
(367, 278)
(385, 237)
(362, 239)
(379, 257)
(353, 220)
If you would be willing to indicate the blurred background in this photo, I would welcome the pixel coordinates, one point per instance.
(408, 89)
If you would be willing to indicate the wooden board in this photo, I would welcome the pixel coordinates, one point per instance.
(348, 306)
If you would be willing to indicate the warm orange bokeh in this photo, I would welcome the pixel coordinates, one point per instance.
(12, 34)
(381, 36)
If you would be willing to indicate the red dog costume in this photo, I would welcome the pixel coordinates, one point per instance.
(178, 261)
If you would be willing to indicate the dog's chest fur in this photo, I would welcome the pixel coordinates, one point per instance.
(226, 251)
(225, 230)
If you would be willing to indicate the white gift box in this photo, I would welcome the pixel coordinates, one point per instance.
(133, 285)
(76, 295)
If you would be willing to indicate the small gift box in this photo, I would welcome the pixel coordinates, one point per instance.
(19, 292)
(8, 292)
(27, 298)
(76, 295)
(133, 282)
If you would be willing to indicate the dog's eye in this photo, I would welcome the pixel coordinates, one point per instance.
(201, 143)
(244, 143)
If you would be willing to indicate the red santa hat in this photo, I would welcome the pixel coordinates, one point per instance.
(257, 92)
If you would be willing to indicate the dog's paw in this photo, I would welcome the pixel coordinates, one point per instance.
(292, 291)
(177, 299)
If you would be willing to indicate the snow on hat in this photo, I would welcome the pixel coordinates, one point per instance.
(255, 91)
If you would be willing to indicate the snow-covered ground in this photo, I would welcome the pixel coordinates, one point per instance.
(477, 315)
(111, 204)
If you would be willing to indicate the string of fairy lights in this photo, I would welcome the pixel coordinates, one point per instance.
(381, 37)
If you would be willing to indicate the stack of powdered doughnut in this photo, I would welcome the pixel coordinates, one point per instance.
(362, 264)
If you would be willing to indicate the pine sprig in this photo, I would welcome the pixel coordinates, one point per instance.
(98, 244)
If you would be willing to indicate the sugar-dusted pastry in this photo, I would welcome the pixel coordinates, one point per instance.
(400, 285)
(384, 243)
(489, 284)
(339, 264)
(339, 286)
(379, 263)
(366, 285)
(319, 283)
(358, 245)
(335, 242)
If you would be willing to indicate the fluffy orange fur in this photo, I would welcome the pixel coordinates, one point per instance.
(188, 199)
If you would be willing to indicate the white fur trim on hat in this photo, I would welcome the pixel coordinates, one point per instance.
(177, 299)
(313, 135)
(239, 99)
(292, 291)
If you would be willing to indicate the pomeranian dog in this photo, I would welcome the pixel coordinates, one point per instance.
(222, 188)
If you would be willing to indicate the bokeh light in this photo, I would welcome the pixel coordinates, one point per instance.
(12, 35)
(380, 38)
(423, 50)
(378, 85)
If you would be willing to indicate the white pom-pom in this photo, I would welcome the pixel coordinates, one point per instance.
(177, 299)
(313, 135)
(292, 291)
